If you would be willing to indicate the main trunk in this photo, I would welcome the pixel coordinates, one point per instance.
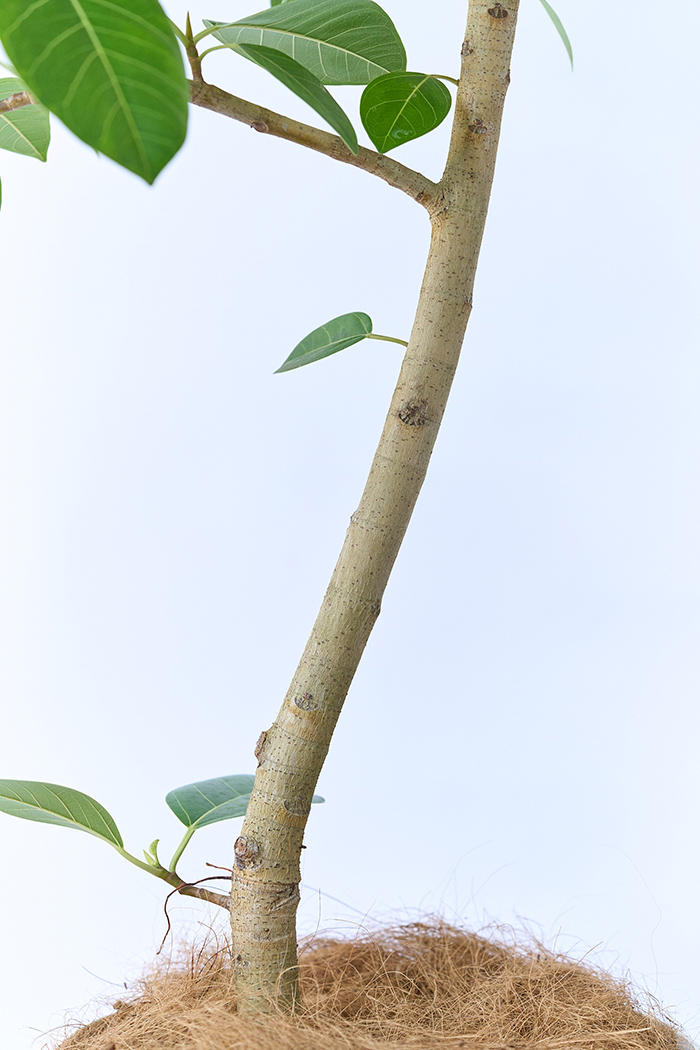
(290, 754)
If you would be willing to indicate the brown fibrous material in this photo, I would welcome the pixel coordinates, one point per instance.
(421, 986)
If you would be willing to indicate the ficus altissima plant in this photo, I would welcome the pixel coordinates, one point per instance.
(113, 73)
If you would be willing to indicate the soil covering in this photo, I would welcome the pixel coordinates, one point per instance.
(422, 986)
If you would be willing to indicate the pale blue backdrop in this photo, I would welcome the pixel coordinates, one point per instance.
(171, 510)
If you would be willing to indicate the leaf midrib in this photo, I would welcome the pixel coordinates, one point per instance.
(408, 99)
(113, 79)
(220, 805)
(69, 819)
(212, 807)
(6, 120)
(308, 40)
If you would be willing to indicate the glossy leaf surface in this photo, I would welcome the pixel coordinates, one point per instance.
(339, 41)
(560, 29)
(305, 85)
(24, 130)
(209, 801)
(331, 337)
(111, 71)
(55, 804)
(399, 107)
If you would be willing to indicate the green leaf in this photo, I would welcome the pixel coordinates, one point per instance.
(305, 85)
(339, 41)
(209, 801)
(24, 130)
(54, 804)
(110, 70)
(399, 107)
(560, 29)
(152, 854)
(331, 337)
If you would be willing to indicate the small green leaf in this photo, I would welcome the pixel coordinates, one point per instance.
(304, 84)
(54, 804)
(24, 130)
(339, 41)
(111, 71)
(560, 29)
(399, 107)
(209, 801)
(152, 855)
(331, 337)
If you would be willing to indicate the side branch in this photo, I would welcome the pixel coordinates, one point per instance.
(188, 890)
(268, 122)
(19, 100)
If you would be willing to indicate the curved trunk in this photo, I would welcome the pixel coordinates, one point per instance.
(290, 754)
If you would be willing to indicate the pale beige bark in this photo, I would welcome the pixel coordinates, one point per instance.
(19, 100)
(291, 753)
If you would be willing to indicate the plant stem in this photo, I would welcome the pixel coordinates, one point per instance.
(178, 33)
(290, 754)
(193, 56)
(386, 338)
(267, 122)
(19, 100)
(173, 879)
(181, 848)
(160, 873)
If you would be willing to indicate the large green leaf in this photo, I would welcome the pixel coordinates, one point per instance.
(54, 804)
(331, 337)
(110, 70)
(24, 130)
(399, 107)
(209, 801)
(339, 41)
(305, 85)
(560, 29)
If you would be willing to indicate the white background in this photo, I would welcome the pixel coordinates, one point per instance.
(521, 739)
